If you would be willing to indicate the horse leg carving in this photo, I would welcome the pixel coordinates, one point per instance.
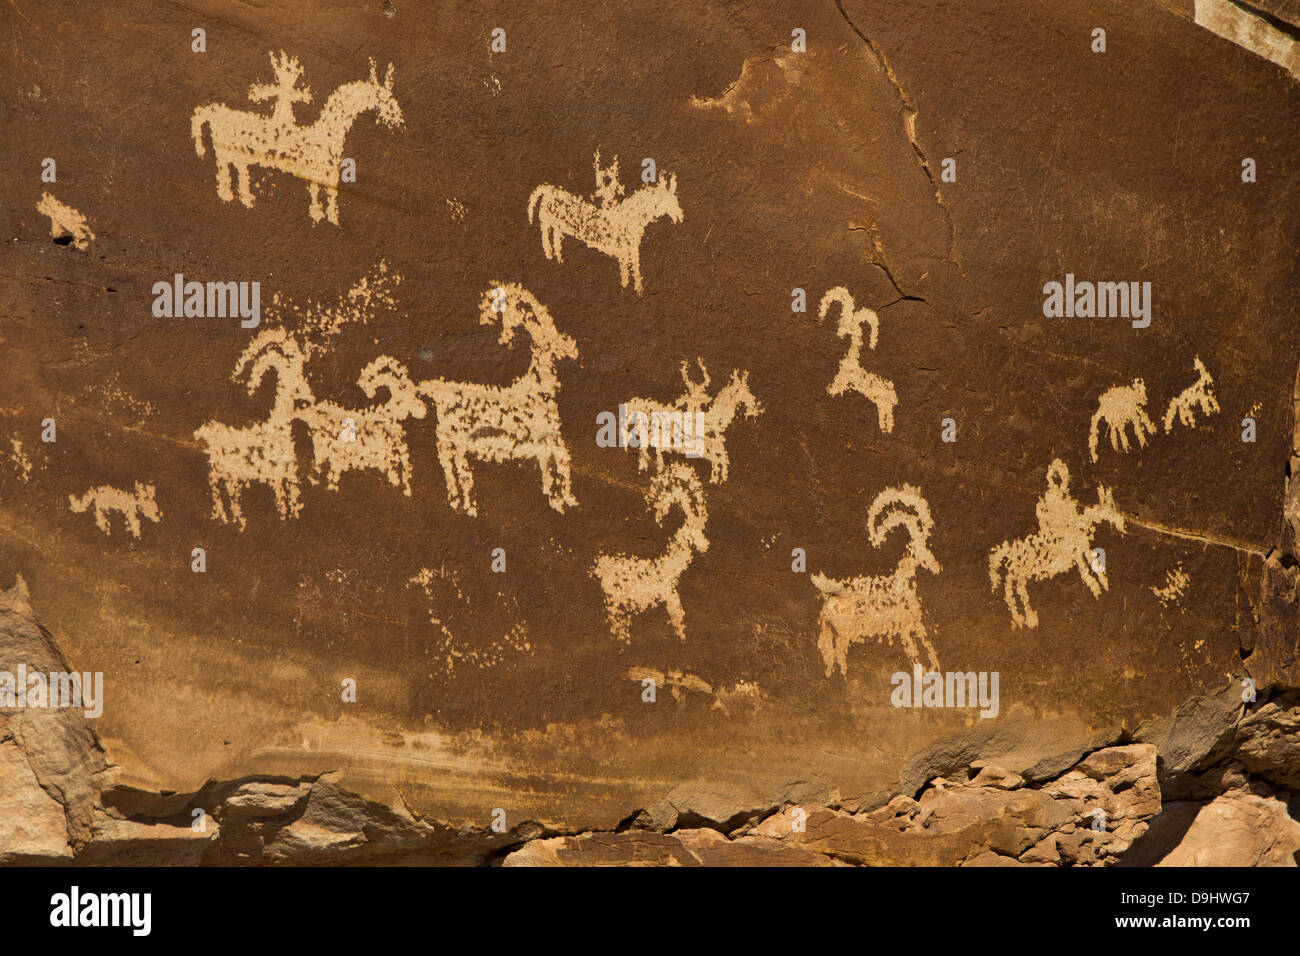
(332, 204)
(676, 614)
(314, 210)
(223, 180)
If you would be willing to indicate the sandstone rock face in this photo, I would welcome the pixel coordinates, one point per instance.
(612, 435)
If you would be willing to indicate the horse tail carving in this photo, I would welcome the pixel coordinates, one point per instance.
(533, 200)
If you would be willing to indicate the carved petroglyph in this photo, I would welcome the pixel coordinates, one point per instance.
(1121, 407)
(1063, 541)
(65, 221)
(1176, 581)
(742, 695)
(851, 375)
(516, 422)
(438, 586)
(262, 452)
(614, 226)
(316, 324)
(312, 153)
(344, 439)
(1197, 395)
(132, 507)
(632, 584)
(21, 463)
(885, 607)
(694, 424)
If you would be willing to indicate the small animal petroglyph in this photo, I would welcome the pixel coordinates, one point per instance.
(132, 507)
(21, 462)
(65, 221)
(632, 584)
(516, 422)
(884, 607)
(1176, 581)
(615, 226)
(344, 439)
(851, 375)
(1121, 407)
(1197, 395)
(694, 424)
(314, 153)
(1063, 541)
(262, 452)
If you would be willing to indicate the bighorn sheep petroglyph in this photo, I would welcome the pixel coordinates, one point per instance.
(262, 452)
(1120, 407)
(312, 153)
(885, 607)
(1183, 406)
(615, 227)
(132, 507)
(694, 424)
(344, 439)
(632, 584)
(519, 421)
(1063, 541)
(851, 375)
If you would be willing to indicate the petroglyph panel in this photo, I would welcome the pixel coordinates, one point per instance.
(394, 544)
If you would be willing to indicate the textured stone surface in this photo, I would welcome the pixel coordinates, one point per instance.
(511, 696)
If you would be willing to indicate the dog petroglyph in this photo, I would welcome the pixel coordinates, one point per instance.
(632, 584)
(884, 607)
(1121, 407)
(516, 422)
(65, 221)
(132, 507)
(1063, 541)
(613, 225)
(851, 375)
(312, 153)
(1197, 395)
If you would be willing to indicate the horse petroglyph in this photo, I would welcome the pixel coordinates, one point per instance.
(314, 153)
(1121, 407)
(695, 424)
(1197, 395)
(262, 452)
(632, 584)
(65, 221)
(132, 507)
(851, 375)
(1063, 541)
(614, 226)
(344, 439)
(519, 421)
(885, 607)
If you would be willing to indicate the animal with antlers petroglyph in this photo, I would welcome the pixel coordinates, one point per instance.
(519, 421)
(314, 153)
(632, 584)
(132, 507)
(614, 227)
(262, 452)
(695, 424)
(1063, 541)
(346, 439)
(1123, 406)
(851, 375)
(1197, 395)
(885, 607)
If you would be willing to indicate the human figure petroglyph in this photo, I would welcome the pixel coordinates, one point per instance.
(314, 153)
(1121, 407)
(609, 187)
(262, 452)
(519, 421)
(132, 507)
(1063, 541)
(886, 607)
(694, 424)
(614, 227)
(1197, 395)
(851, 375)
(344, 439)
(633, 584)
(65, 221)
